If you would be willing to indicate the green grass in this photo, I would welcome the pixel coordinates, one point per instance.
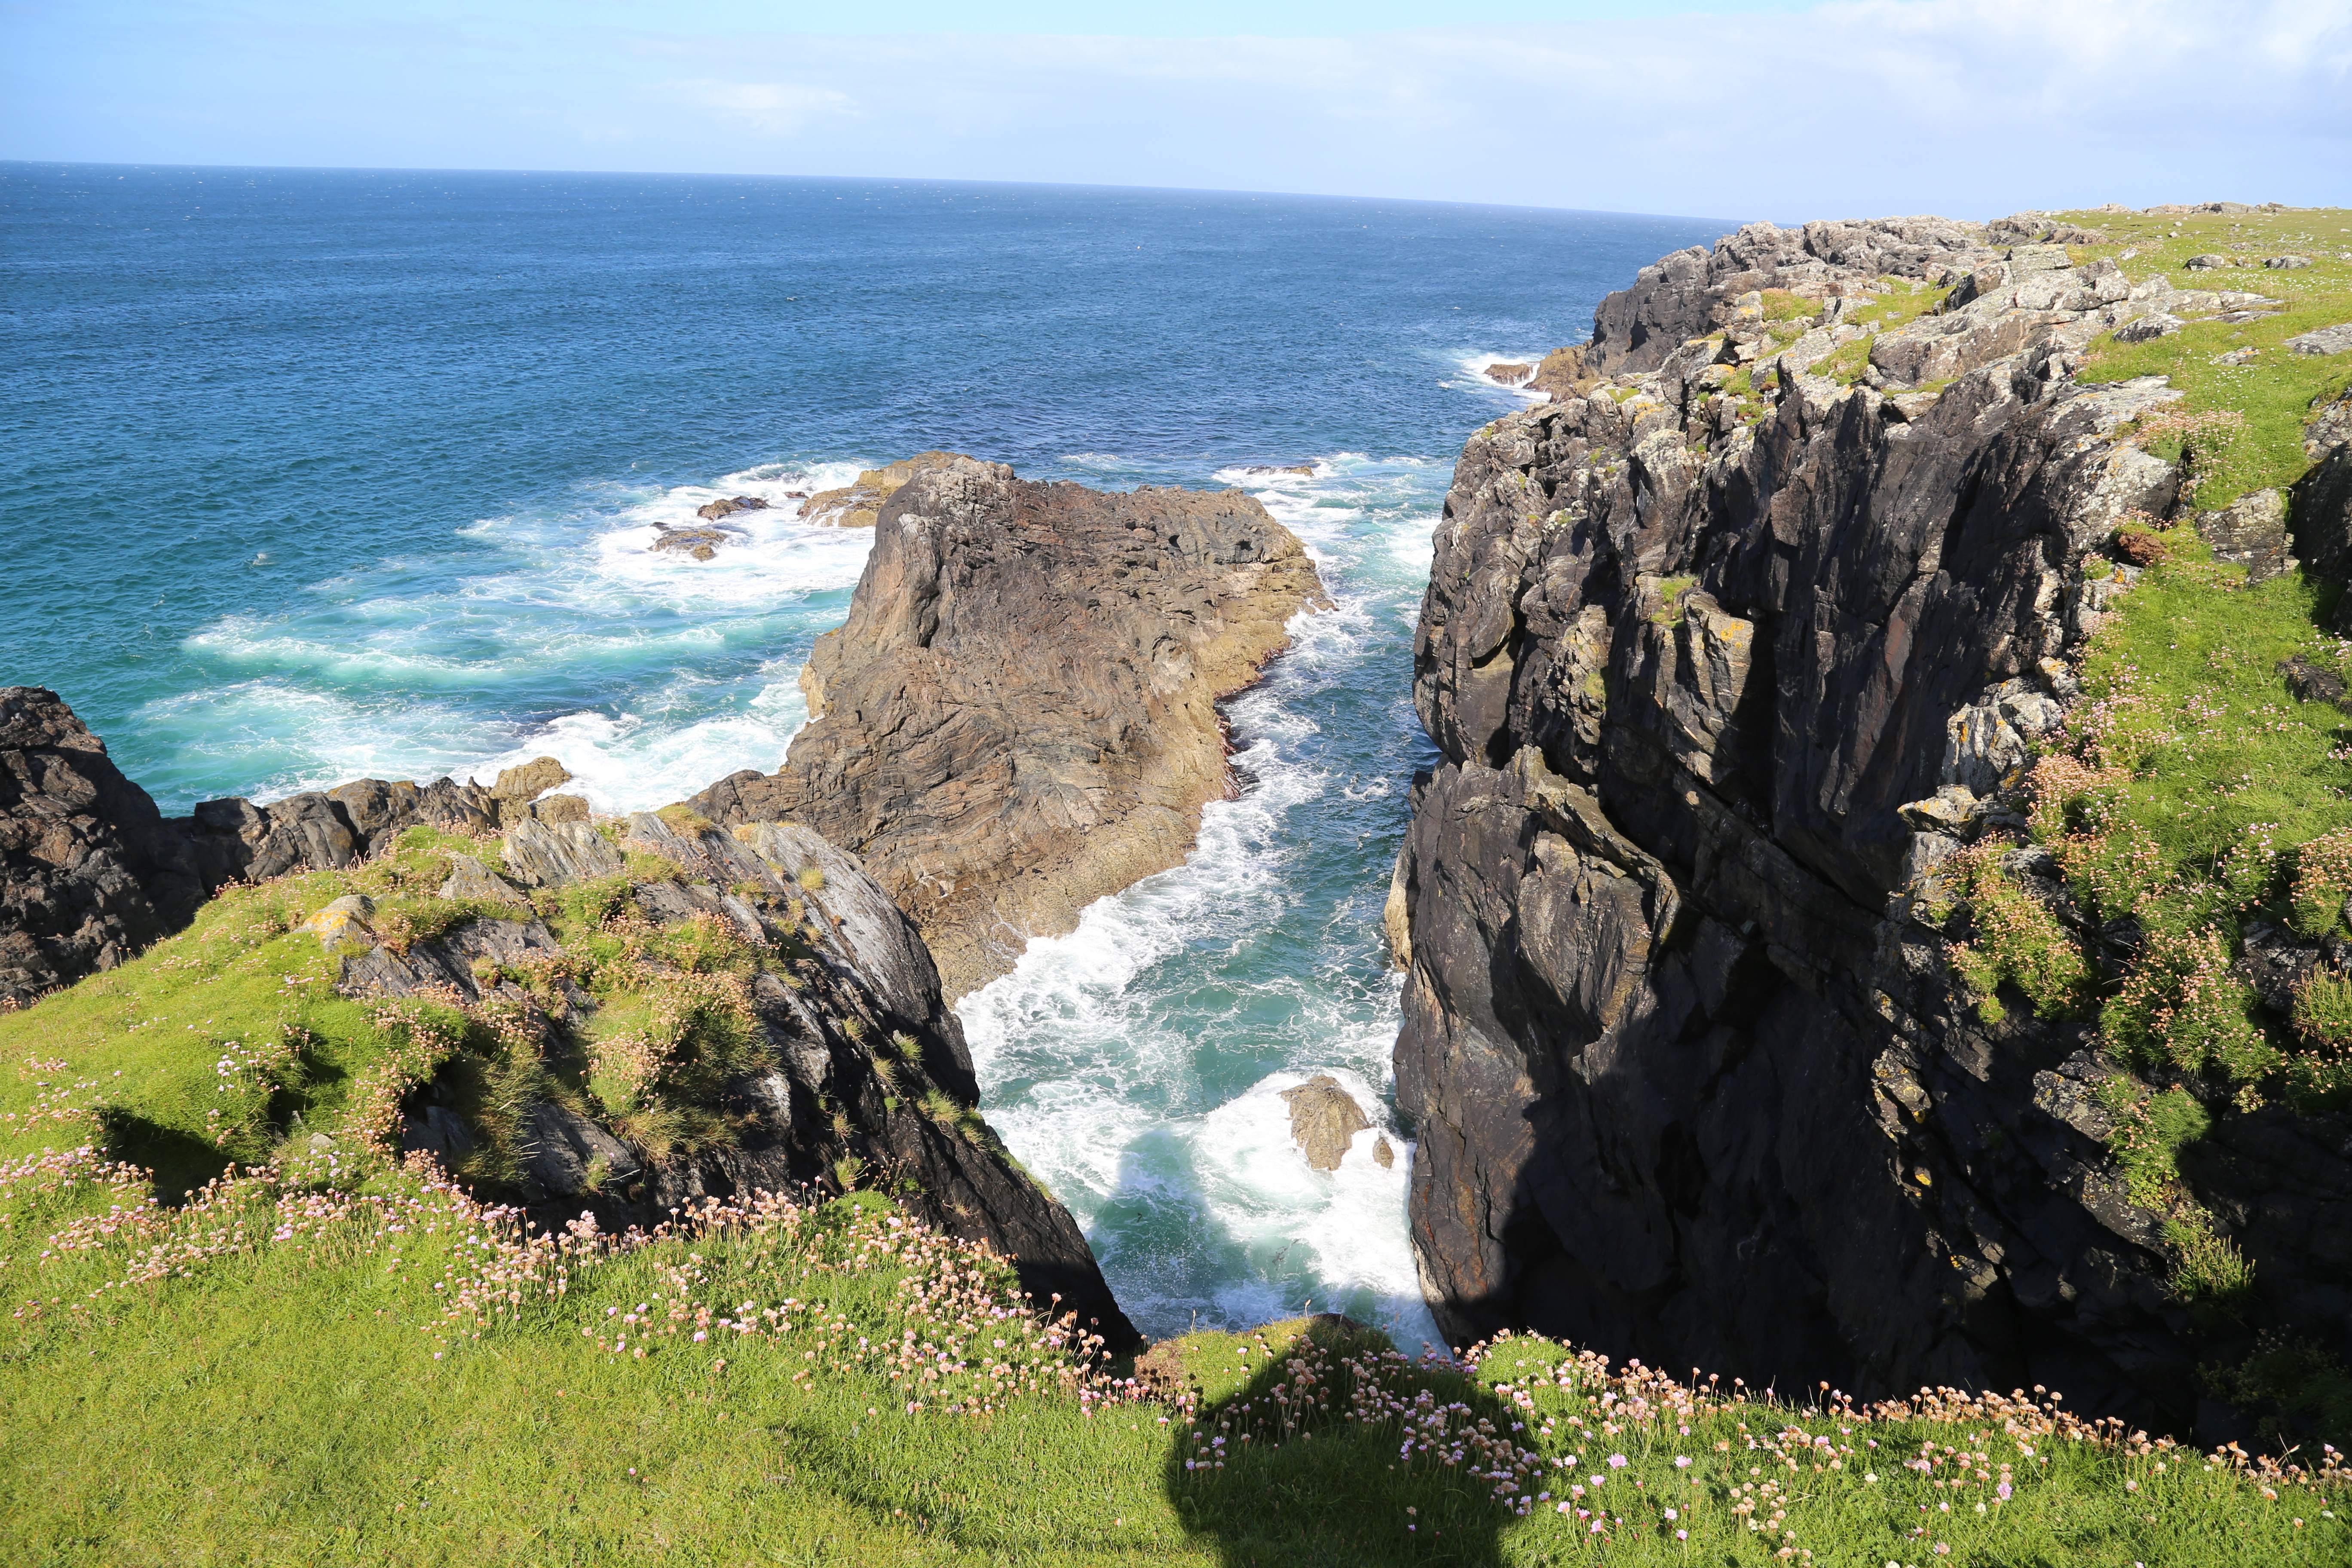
(2275, 392)
(336, 1359)
(381, 1373)
(1670, 600)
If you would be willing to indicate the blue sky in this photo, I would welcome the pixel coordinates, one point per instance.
(1745, 108)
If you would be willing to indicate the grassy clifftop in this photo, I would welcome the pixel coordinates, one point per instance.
(323, 1353)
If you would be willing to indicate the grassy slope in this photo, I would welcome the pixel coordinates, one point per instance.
(352, 1363)
(2276, 390)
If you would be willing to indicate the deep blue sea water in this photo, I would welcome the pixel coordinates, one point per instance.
(306, 475)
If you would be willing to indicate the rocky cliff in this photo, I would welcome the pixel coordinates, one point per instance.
(1730, 648)
(633, 1014)
(1019, 716)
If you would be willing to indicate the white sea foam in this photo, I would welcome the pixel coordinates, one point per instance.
(671, 663)
(1107, 1057)
(1476, 365)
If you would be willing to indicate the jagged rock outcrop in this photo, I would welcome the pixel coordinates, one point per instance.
(822, 1092)
(89, 872)
(1020, 715)
(1324, 1120)
(1717, 693)
(92, 871)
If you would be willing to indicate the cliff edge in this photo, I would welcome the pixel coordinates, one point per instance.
(1722, 1029)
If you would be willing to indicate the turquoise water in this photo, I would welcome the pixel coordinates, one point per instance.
(310, 474)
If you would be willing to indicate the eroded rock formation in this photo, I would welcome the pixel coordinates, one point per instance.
(863, 1059)
(1716, 694)
(1020, 715)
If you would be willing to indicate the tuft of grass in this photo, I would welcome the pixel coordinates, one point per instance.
(1670, 600)
(2018, 942)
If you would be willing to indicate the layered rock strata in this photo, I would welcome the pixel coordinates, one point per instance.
(824, 1093)
(1020, 714)
(1717, 689)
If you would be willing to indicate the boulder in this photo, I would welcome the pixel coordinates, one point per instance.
(1020, 714)
(558, 854)
(2206, 263)
(2335, 339)
(529, 780)
(728, 508)
(2310, 683)
(1324, 1121)
(2144, 329)
(348, 923)
(1509, 375)
(2250, 531)
(2285, 263)
(561, 808)
(471, 881)
(860, 503)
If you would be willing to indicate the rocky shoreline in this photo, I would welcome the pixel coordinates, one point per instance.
(1019, 716)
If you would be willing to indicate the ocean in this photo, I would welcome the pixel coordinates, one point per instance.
(312, 474)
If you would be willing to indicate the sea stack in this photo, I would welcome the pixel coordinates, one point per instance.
(1020, 714)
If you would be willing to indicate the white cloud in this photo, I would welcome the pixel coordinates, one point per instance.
(765, 108)
(1970, 107)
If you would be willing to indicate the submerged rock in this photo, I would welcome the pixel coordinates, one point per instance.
(1324, 1121)
(1020, 714)
(730, 507)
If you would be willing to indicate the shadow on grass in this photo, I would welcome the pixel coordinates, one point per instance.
(181, 1162)
(1301, 1458)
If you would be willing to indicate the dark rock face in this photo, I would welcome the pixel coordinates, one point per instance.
(1020, 715)
(823, 1096)
(89, 872)
(1690, 1076)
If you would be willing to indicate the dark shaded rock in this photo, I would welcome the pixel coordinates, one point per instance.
(1324, 1121)
(822, 1100)
(1020, 715)
(2309, 682)
(1690, 1075)
(90, 870)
